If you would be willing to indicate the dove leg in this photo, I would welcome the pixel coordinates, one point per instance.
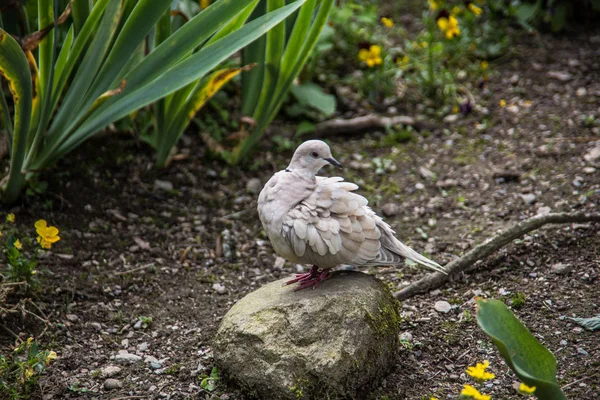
(312, 274)
(315, 281)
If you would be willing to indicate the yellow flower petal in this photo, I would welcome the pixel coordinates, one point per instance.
(363, 54)
(375, 50)
(11, 218)
(443, 23)
(52, 231)
(502, 103)
(387, 22)
(475, 10)
(470, 391)
(18, 244)
(523, 388)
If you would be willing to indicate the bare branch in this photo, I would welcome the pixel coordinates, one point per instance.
(483, 250)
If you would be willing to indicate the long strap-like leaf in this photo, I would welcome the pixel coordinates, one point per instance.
(180, 75)
(15, 69)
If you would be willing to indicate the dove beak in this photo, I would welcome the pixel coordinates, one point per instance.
(333, 161)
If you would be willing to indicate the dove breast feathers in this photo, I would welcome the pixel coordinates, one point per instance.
(323, 223)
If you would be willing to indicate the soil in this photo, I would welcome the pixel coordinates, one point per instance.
(182, 244)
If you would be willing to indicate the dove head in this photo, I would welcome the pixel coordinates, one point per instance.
(311, 156)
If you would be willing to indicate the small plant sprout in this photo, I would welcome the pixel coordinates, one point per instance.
(210, 383)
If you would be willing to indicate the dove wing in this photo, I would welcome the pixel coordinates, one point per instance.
(333, 226)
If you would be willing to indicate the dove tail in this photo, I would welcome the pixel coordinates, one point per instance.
(405, 251)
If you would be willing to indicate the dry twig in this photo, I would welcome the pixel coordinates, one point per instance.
(360, 124)
(483, 250)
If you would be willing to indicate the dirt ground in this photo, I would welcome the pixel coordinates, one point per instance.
(181, 245)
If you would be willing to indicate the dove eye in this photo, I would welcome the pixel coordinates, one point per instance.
(314, 154)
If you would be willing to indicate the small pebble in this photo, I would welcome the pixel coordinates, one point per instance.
(406, 337)
(163, 185)
(110, 370)
(254, 186)
(442, 306)
(582, 351)
(111, 384)
(220, 289)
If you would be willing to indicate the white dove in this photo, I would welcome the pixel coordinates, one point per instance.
(320, 221)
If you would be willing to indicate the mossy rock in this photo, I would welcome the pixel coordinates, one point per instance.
(331, 342)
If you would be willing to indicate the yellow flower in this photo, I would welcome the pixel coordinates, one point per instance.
(433, 5)
(29, 341)
(434, 398)
(456, 10)
(484, 64)
(204, 4)
(403, 61)
(28, 373)
(470, 391)
(455, 109)
(387, 22)
(475, 10)
(449, 26)
(11, 218)
(502, 103)
(47, 234)
(18, 244)
(372, 56)
(50, 357)
(478, 371)
(523, 388)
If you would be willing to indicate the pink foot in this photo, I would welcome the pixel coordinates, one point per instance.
(313, 278)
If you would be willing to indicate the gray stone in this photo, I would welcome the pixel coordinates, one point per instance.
(528, 198)
(254, 185)
(72, 317)
(442, 306)
(163, 185)
(323, 343)
(390, 209)
(111, 384)
(110, 370)
(124, 356)
(561, 269)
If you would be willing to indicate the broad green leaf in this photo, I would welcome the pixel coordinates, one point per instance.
(275, 43)
(187, 71)
(529, 360)
(198, 98)
(15, 69)
(285, 81)
(252, 81)
(136, 27)
(47, 50)
(86, 72)
(182, 42)
(62, 57)
(313, 95)
(80, 12)
(64, 74)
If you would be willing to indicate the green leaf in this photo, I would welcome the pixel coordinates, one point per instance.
(305, 127)
(529, 360)
(15, 69)
(313, 95)
(80, 12)
(198, 97)
(86, 72)
(187, 71)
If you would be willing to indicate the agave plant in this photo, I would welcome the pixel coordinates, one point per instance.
(280, 56)
(100, 72)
